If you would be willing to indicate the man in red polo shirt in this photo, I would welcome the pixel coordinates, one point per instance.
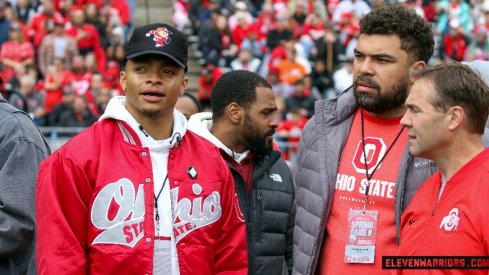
(445, 119)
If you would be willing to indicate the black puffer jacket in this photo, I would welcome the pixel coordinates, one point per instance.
(268, 209)
(269, 212)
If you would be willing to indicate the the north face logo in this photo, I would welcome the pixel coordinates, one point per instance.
(450, 222)
(161, 36)
(276, 177)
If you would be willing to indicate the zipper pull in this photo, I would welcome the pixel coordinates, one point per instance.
(258, 196)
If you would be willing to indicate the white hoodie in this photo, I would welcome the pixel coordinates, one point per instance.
(201, 124)
(159, 150)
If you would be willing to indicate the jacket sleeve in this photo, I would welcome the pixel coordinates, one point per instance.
(231, 255)
(289, 238)
(63, 197)
(19, 163)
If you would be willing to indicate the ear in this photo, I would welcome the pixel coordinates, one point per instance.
(235, 113)
(183, 86)
(416, 66)
(456, 117)
(122, 80)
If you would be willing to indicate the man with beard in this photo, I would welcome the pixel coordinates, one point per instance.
(243, 119)
(355, 176)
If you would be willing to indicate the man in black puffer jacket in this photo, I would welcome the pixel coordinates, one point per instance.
(242, 122)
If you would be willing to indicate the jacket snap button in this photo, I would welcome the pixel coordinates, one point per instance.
(144, 154)
(148, 239)
(148, 180)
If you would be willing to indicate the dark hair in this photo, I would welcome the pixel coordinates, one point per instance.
(194, 100)
(236, 86)
(456, 84)
(415, 33)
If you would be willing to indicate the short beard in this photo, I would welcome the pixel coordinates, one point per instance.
(256, 142)
(381, 103)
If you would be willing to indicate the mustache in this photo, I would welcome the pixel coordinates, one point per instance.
(368, 80)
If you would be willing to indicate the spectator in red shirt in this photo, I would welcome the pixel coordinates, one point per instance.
(55, 82)
(39, 23)
(111, 76)
(80, 78)
(240, 11)
(241, 31)
(298, 17)
(208, 78)
(290, 131)
(455, 42)
(122, 9)
(265, 22)
(87, 37)
(16, 53)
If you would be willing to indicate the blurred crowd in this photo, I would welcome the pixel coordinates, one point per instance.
(305, 48)
(60, 59)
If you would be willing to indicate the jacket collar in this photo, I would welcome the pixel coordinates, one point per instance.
(337, 109)
(201, 123)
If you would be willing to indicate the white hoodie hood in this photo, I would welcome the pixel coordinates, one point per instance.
(201, 124)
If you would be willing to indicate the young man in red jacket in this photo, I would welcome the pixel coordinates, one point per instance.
(136, 193)
(445, 120)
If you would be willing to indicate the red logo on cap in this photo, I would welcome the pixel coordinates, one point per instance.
(161, 36)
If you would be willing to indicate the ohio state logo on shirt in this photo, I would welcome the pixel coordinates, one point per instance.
(118, 210)
(449, 223)
(374, 151)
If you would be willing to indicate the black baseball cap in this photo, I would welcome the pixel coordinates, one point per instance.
(158, 38)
